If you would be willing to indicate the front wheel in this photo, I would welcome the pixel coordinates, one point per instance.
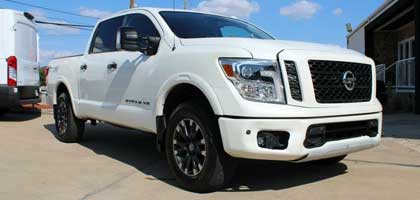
(194, 150)
(69, 128)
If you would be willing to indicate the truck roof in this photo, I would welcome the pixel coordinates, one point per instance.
(154, 9)
(157, 10)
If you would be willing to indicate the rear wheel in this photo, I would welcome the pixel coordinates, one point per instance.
(69, 128)
(194, 150)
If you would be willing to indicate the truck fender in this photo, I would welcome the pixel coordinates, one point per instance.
(72, 100)
(187, 78)
(168, 85)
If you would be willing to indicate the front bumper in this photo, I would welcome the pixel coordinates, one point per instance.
(15, 96)
(240, 138)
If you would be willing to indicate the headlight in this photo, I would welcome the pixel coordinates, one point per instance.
(255, 80)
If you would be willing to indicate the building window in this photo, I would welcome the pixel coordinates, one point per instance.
(406, 49)
(413, 48)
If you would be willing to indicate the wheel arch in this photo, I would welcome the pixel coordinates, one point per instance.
(62, 86)
(182, 83)
(190, 80)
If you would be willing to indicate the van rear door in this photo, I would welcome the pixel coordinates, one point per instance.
(26, 51)
(6, 33)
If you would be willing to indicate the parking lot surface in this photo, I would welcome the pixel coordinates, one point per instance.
(114, 163)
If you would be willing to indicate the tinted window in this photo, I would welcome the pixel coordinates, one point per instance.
(106, 35)
(198, 25)
(142, 24)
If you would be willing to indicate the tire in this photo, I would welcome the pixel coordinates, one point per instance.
(69, 128)
(331, 161)
(197, 160)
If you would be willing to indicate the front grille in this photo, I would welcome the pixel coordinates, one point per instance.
(293, 78)
(318, 135)
(327, 78)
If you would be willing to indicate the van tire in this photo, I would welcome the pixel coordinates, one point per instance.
(217, 169)
(69, 128)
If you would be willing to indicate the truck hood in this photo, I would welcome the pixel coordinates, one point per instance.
(267, 49)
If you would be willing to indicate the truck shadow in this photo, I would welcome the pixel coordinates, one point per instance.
(263, 175)
(137, 149)
(20, 115)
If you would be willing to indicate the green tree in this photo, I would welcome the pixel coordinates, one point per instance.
(42, 77)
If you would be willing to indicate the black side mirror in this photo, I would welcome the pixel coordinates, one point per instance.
(130, 40)
(152, 45)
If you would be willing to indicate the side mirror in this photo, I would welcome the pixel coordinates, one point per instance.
(152, 45)
(128, 39)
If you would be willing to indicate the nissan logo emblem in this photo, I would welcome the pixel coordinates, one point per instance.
(349, 80)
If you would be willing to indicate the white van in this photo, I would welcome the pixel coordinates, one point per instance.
(19, 60)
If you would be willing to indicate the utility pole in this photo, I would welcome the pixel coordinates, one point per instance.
(185, 4)
(132, 3)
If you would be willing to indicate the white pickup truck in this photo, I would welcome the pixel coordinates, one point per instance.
(215, 88)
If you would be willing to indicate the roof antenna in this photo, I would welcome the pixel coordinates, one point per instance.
(174, 44)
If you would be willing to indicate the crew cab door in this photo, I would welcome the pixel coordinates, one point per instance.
(127, 96)
(94, 69)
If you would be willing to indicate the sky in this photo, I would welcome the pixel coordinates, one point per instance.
(320, 21)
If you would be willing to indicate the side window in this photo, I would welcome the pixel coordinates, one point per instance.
(106, 35)
(142, 24)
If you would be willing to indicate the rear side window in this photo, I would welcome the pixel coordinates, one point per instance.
(106, 36)
(142, 24)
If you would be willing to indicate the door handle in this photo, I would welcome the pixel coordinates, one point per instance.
(83, 67)
(112, 66)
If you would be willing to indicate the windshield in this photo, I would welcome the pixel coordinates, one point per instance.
(198, 25)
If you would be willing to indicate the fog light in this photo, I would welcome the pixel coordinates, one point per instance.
(373, 128)
(261, 141)
(315, 137)
(273, 140)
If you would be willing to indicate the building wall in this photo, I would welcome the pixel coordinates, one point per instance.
(386, 52)
(417, 52)
(385, 47)
(386, 43)
(357, 40)
(407, 31)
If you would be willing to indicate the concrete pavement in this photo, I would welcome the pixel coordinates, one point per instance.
(114, 163)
